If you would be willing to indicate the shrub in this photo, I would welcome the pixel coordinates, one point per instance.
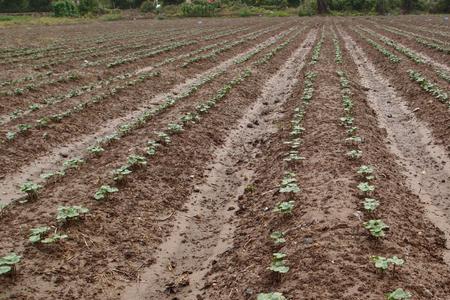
(199, 9)
(147, 6)
(88, 6)
(65, 8)
(307, 8)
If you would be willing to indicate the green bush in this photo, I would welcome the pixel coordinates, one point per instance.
(147, 6)
(88, 6)
(65, 8)
(307, 8)
(199, 9)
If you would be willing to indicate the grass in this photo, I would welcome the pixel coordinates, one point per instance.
(9, 20)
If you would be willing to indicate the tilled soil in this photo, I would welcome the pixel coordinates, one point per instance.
(195, 221)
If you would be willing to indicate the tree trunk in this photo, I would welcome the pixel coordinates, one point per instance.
(322, 7)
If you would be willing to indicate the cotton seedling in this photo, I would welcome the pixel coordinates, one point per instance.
(8, 263)
(354, 139)
(354, 154)
(270, 296)
(37, 234)
(73, 163)
(96, 149)
(289, 184)
(136, 161)
(383, 263)
(151, 147)
(164, 137)
(376, 227)
(370, 204)
(22, 128)
(278, 265)
(120, 173)
(174, 128)
(68, 213)
(278, 237)
(31, 189)
(366, 171)
(366, 188)
(284, 207)
(103, 192)
(10, 135)
(399, 294)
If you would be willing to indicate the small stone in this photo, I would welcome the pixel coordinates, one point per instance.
(249, 291)
(308, 241)
(250, 125)
(389, 115)
(196, 189)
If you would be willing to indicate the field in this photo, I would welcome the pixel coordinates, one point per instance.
(226, 159)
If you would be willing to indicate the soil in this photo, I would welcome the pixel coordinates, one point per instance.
(195, 222)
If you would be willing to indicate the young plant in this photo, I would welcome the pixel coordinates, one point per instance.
(121, 173)
(270, 296)
(366, 171)
(104, 191)
(382, 263)
(289, 184)
(8, 263)
(67, 213)
(174, 128)
(278, 237)
(38, 233)
(151, 147)
(136, 160)
(73, 163)
(10, 135)
(96, 150)
(370, 204)
(278, 264)
(376, 227)
(22, 128)
(164, 137)
(366, 188)
(31, 189)
(284, 207)
(399, 294)
(354, 154)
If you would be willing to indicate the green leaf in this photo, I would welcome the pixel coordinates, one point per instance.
(370, 204)
(10, 259)
(399, 294)
(5, 269)
(278, 237)
(271, 296)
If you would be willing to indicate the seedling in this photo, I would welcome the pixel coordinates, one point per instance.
(398, 294)
(67, 213)
(121, 173)
(38, 233)
(354, 139)
(278, 264)
(10, 135)
(271, 296)
(366, 171)
(96, 150)
(289, 184)
(347, 121)
(366, 188)
(22, 128)
(382, 263)
(103, 192)
(31, 189)
(8, 263)
(354, 154)
(136, 160)
(370, 204)
(73, 163)
(151, 147)
(376, 227)
(277, 237)
(164, 137)
(174, 128)
(284, 207)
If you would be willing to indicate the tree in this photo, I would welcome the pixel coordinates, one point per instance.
(322, 7)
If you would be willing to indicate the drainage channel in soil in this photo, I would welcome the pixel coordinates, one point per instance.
(427, 166)
(204, 229)
(52, 160)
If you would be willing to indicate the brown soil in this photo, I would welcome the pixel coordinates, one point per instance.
(195, 222)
